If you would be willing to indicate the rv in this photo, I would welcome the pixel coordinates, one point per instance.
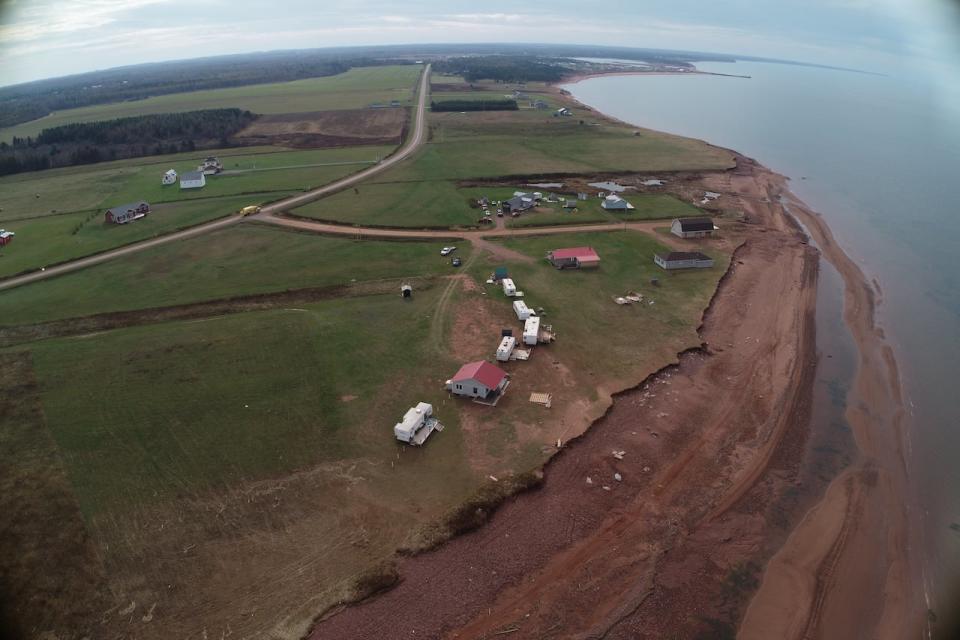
(531, 330)
(509, 289)
(506, 348)
(417, 424)
(522, 310)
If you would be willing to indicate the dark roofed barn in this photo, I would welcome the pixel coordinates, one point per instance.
(125, 213)
(692, 227)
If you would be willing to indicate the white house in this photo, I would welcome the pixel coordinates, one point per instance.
(170, 177)
(531, 330)
(683, 260)
(192, 180)
(693, 227)
(479, 380)
(614, 202)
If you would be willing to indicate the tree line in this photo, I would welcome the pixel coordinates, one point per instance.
(503, 68)
(474, 105)
(132, 137)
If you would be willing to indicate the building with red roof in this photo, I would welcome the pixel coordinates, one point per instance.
(574, 258)
(479, 380)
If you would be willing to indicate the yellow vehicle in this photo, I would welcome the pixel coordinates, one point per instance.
(249, 211)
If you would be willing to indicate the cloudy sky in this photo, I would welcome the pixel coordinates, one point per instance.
(46, 38)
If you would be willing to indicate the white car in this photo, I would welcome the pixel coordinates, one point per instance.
(447, 251)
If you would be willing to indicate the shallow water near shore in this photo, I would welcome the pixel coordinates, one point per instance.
(876, 156)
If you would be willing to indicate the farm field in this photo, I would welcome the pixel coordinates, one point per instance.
(47, 240)
(240, 260)
(354, 89)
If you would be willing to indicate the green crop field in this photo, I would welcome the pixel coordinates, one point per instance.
(351, 90)
(244, 259)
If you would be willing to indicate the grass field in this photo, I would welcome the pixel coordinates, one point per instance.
(245, 259)
(599, 338)
(101, 185)
(351, 90)
(48, 240)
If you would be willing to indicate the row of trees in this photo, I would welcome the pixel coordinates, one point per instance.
(134, 137)
(474, 105)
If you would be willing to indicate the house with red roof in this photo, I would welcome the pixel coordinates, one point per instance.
(480, 380)
(574, 258)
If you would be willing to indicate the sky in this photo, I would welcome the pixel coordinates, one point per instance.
(49, 38)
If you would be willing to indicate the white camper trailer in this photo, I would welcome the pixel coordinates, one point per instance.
(417, 424)
(531, 330)
(170, 177)
(506, 348)
(509, 289)
(522, 310)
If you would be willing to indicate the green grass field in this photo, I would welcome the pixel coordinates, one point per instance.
(45, 241)
(245, 259)
(156, 412)
(351, 90)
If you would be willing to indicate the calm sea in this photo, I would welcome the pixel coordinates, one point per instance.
(879, 157)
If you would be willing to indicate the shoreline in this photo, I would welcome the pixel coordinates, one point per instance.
(543, 587)
(580, 77)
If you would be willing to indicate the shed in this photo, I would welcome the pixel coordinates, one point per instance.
(192, 180)
(125, 213)
(406, 290)
(479, 380)
(531, 330)
(509, 288)
(614, 202)
(170, 177)
(683, 260)
(507, 343)
(574, 258)
(692, 227)
(6, 237)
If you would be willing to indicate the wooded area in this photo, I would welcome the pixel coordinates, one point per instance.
(134, 137)
(503, 68)
(474, 105)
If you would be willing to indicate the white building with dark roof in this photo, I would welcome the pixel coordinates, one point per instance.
(192, 180)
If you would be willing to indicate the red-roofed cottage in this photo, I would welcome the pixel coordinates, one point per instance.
(574, 258)
(478, 380)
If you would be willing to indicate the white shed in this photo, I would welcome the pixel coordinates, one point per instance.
(522, 310)
(170, 177)
(192, 180)
(506, 348)
(531, 330)
(509, 289)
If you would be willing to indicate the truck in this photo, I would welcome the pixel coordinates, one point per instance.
(417, 425)
(249, 211)
(506, 348)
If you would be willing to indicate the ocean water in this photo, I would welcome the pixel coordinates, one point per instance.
(879, 157)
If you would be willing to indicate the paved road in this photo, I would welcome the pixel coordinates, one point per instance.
(288, 203)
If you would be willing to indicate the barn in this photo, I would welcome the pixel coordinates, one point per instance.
(692, 227)
(125, 213)
(683, 260)
(574, 258)
(192, 180)
(479, 380)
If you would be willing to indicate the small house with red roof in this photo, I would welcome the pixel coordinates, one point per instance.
(574, 258)
(480, 380)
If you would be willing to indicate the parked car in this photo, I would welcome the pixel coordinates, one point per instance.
(447, 251)
(499, 213)
(456, 262)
